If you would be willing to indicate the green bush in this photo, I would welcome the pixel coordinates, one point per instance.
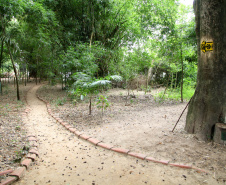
(175, 94)
(60, 102)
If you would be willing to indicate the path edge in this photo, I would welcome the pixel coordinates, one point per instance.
(29, 159)
(101, 144)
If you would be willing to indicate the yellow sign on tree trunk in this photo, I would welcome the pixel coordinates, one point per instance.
(206, 46)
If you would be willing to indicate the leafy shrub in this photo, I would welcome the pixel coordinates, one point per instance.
(60, 102)
(85, 85)
(175, 94)
(102, 103)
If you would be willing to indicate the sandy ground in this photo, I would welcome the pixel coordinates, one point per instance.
(144, 126)
(65, 159)
(12, 131)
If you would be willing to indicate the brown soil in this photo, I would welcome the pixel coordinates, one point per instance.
(12, 131)
(143, 126)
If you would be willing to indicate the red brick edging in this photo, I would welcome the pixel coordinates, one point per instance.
(17, 174)
(112, 148)
(14, 175)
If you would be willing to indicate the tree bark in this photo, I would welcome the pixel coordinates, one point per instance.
(1, 58)
(208, 105)
(14, 68)
(90, 105)
(182, 69)
(1, 55)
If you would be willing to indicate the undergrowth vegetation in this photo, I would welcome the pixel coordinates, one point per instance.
(175, 94)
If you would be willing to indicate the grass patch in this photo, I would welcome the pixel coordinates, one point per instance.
(60, 101)
(175, 94)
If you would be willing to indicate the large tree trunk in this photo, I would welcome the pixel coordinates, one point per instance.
(208, 105)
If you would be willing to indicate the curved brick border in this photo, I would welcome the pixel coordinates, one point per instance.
(112, 148)
(14, 175)
(17, 174)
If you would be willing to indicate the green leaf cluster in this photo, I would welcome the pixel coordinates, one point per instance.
(55, 39)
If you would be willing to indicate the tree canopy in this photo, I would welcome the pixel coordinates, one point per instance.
(54, 39)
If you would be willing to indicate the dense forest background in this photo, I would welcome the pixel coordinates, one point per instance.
(66, 40)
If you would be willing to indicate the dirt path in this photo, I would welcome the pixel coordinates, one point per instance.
(65, 159)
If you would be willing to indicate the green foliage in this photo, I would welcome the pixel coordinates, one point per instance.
(102, 103)
(80, 58)
(99, 84)
(145, 88)
(7, 66)
(20, 104)
(87, 86)
(174, 94)
(60, 101)
(57, 39)
(84, 84)
(115, 78)
(136, 62)
(21, 153)
(11, 9)
(80, 79)
(17, 128)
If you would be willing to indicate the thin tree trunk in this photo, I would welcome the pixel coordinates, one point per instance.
(50, 74)
(137, 84)
(91, 38)
(90, 105)
(182, 78)
(22, 77)
(93, 19)
(14, 68)
(25, 74)
(172, 82)
(1, 58)
(36, 72)
(175, 86)
(65, 78)
(166, 87)
(62, 80)
(40, 75)
(102, 108)
(0, 86)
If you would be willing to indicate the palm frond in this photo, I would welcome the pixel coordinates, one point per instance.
(116, 78)
(100, 83)
(82, 77)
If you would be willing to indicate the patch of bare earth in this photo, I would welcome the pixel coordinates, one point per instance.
(13, 140)
(142, 126)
